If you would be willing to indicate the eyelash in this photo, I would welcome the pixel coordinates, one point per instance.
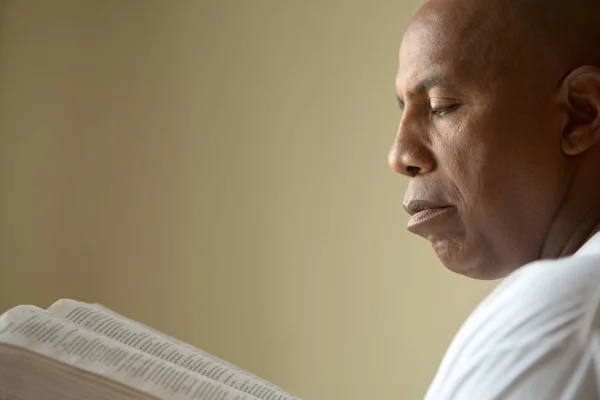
(435, 112)
(443, 111)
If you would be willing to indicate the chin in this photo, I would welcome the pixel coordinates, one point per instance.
(470, 260)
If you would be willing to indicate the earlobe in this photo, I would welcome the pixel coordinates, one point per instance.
(582, 97)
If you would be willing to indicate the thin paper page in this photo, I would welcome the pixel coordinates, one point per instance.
(42, 332)
(134, 334)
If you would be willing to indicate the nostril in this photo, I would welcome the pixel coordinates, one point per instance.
(412, 170)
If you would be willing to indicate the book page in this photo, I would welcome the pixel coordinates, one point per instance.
(131, 333)
(49, 335)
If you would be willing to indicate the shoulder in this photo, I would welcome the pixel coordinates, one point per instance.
(539, 323)
(550, 281)
(545, 300)
(552, 286)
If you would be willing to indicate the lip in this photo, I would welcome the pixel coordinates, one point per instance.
(414, 206)
(427, 215)
(424, 211)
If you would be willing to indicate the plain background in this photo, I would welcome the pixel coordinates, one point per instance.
(218, 170)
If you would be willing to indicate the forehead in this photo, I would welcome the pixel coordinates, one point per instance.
(462, 40)
(431, 55)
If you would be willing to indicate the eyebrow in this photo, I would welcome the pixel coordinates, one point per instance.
(429, 83)
(426, 84)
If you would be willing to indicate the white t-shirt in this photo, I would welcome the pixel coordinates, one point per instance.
(536, 337)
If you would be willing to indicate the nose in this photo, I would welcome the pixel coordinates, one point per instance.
(410, 155)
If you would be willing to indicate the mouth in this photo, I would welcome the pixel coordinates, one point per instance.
(423, 212)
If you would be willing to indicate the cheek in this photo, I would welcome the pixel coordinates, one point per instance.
(463, 154)
(508, 182)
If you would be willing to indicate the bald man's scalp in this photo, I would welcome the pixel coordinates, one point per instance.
(563, 34)
(538, 38)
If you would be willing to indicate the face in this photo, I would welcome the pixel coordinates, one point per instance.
(480, 146)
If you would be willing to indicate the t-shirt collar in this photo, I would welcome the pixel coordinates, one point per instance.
(592, 246)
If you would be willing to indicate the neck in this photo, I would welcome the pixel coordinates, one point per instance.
(576, 239)
(578, 217)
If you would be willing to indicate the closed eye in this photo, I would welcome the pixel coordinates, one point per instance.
(441, 112)
(400, 104)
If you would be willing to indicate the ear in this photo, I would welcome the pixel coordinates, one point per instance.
(581, 96)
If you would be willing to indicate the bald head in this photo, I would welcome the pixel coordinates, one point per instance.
(550, 37)
(499, 130)
(566, 32)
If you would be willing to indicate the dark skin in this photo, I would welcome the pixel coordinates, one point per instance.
(499, 131)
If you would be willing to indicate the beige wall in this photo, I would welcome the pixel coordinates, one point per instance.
(217, 169)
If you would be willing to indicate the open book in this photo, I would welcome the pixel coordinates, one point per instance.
(78, 351)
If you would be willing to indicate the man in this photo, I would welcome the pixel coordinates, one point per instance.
(499, 138)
